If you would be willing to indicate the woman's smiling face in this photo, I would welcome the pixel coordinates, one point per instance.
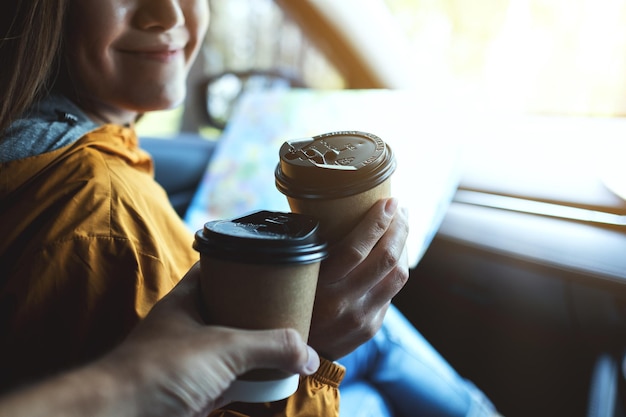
(131, 56)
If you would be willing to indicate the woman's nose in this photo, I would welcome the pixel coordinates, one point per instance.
(158, 15)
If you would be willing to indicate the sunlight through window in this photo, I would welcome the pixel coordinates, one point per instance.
(548, 56)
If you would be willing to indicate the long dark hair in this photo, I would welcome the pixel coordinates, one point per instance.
(31, 36)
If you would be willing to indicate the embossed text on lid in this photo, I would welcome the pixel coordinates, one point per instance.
(334, 164)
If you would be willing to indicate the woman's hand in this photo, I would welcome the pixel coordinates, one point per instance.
(364, 272)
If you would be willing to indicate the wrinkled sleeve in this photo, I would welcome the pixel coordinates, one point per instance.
(73, 302)
(317, 395)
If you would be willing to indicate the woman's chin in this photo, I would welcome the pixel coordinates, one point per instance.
(157, 105)
(172, 101)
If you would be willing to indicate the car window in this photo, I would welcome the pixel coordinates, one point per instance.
(544, 56)
(548, 56)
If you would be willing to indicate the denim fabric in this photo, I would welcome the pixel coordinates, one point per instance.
(361, 399)
(398, 373)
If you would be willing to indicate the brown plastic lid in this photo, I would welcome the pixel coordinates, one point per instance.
(333, 165)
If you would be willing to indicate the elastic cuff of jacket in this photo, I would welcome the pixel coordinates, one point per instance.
(329, 373)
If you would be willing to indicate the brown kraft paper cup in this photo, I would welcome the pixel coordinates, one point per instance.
(336, 177)
(260, 272)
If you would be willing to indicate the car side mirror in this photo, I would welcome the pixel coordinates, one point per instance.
(222, 91)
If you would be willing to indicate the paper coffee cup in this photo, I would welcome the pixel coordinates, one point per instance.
(335, 177)
(259, 272)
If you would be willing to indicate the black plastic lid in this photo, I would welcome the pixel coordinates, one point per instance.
(263, 237)
(333, 165)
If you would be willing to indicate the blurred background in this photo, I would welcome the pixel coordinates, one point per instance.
(546, 56)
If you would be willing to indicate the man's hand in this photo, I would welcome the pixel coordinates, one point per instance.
(171, 364)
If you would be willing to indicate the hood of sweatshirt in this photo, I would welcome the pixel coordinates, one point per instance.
(50, 124)
(40, 143)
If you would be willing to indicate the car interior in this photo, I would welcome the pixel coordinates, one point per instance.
(522, 287)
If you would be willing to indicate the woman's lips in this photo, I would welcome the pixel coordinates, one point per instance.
(161, 55)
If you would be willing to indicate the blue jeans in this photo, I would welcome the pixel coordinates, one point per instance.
(398, 373)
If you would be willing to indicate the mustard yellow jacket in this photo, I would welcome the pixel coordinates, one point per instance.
(88, 244)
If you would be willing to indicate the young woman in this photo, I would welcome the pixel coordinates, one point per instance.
(90, 242)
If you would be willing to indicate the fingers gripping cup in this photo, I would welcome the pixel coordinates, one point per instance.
(335, 177)
(260, 271)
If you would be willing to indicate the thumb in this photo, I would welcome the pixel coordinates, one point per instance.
(281, 349)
